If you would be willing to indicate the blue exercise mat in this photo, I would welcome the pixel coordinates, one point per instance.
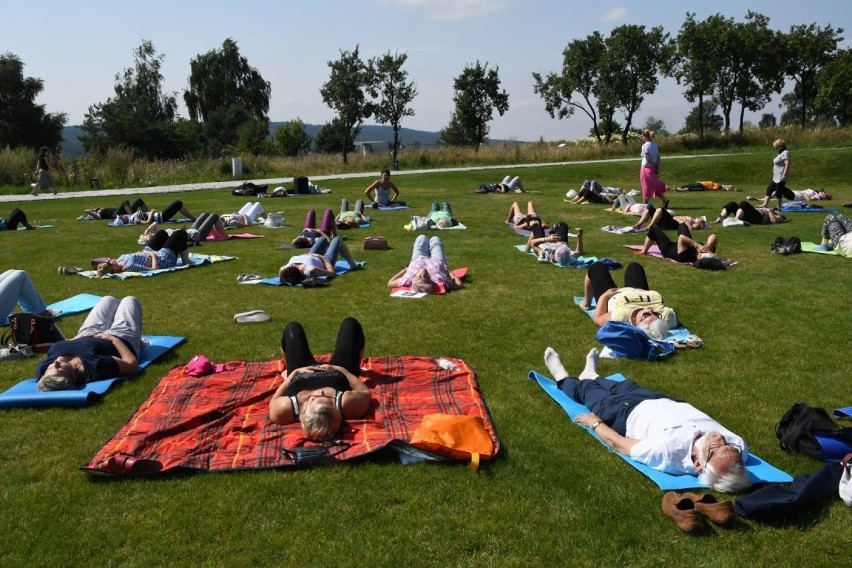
(75, 304)
(26, 394)
(341, 267)
(800, 207)
(70, 306)
(843, 412)
(760, 471)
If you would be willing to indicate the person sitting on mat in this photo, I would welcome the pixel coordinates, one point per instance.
(320, 397)
(635, 303)
(665, 219)
(383, 191)
(554, 247)
(308, 236)
(106, 346)
(13, 219)
(526, 221)
(663, 433)
(162, 251)
(745, 211)
(124, 208)
(16, 288)
(686, 249)
(318, 262)
(351, 218)
(427, 268)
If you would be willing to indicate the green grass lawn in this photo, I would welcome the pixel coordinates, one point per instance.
(775, 332)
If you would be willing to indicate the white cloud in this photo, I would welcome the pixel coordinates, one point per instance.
(450, 10)
(615, 14)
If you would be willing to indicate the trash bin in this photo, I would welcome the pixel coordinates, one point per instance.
(236, 167)
(94, 183)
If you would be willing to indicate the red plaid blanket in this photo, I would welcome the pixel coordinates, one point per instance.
(219, 422)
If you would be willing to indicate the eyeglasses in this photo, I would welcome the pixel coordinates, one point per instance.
(714, 447)
(646, 314)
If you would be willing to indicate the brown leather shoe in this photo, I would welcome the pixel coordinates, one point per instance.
(683, 511)
(720, 513)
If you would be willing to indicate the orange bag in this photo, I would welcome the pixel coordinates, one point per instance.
(459, 437)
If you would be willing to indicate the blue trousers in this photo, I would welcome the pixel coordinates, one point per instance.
(612, 401)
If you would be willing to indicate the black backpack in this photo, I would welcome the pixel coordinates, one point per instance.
(787, 246)
(798, 427)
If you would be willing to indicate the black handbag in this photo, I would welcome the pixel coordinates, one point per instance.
(38, 332)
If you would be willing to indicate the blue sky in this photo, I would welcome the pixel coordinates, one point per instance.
(78, 47)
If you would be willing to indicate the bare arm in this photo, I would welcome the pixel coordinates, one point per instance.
(397, 278)
(394, 190)
(369, 191)
(610, 437)
(356, 402)
(155, 260)
(602, 314)
(128, 364)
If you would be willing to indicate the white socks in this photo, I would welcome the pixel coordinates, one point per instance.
(590, 372)
(557, 369)
(554, 364)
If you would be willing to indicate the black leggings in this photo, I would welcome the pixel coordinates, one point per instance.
(601, 278)
(170, 210)
(666, 220)
(14, 218)
(591, 196)
(780, 190)
(669, 248)
(560, 229)
(204, 224)
(347, 350)
(177, 242)
(137, 205)
(750, 213)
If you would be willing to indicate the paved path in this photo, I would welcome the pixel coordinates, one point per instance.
(314, 179)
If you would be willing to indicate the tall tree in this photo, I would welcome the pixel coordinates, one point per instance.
(580, 75)
(808, 49)
(391, 92)
(22, 122)
(633, 58)
(834, 84)
(140, 117)
(693, 63)
(292, 139)
(763, 73)
(346, 93)
(225, 92)
(477, 96)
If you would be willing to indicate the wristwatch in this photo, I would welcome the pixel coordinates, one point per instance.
(595, 425)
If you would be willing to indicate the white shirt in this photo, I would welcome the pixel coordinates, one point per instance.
(666, 430)
(650, 154)
(778, 167)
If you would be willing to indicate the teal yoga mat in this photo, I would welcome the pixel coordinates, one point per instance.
(25, 393)
(760, 470)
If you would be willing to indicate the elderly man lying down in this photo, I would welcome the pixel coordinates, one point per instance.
(665, 434)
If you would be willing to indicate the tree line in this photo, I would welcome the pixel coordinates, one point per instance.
(724, 66)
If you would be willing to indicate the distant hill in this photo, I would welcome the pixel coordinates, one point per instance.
(72, 146)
